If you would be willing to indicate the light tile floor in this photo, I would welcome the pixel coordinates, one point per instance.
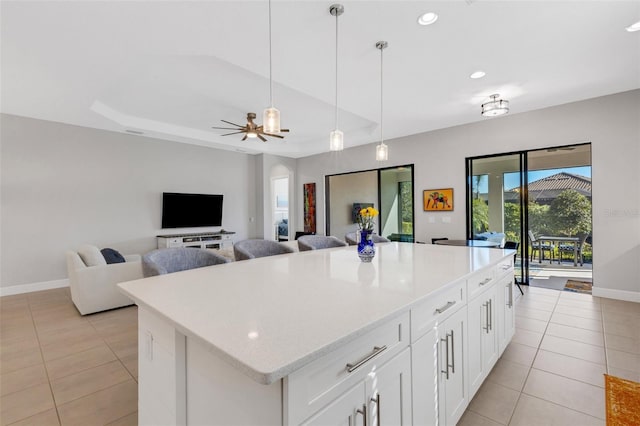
(60, 368)
(552, 372)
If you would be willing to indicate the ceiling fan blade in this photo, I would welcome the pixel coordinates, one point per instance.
(245, 138)
(234, 133)
(227, 128)
(262, 138)
(272, 135)
(284, 130)
(228, 122)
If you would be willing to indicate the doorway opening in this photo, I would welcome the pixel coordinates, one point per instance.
(280, 206)
(390, 190)
(539, 201)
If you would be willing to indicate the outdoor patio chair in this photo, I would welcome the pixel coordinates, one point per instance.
(568, 248)
(541, 247)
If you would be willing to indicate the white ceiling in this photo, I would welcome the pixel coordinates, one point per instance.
(173, 69)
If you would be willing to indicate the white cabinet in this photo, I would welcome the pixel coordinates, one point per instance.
(451, 366)
(382, 398)
(482, 336)
(205, 240)
(507, 320)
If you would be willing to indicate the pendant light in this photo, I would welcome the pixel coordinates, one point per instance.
(271, 116)
(382, 150)
(336, 137)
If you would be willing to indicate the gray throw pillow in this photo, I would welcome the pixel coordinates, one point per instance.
(112, 256)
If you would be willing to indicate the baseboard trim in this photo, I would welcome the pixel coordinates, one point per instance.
(610, 293)
(30, 288)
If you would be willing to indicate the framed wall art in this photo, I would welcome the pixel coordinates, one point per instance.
(438, 200)
(309, 197)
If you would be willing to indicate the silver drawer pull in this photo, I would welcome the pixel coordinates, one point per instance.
(376, 350)
(483, 282)
(444, 308)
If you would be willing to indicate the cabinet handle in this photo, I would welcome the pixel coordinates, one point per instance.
(446, 355)
(510, 286)
(485, 281)
(444, 308)
(490, 323)
(377, 401)
(363, 411)
(376, 350)
(453, 354)
(505, 267)
(486, 317)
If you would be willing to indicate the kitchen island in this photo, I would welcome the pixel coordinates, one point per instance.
(320, 338)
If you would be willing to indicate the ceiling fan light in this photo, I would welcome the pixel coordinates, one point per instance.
(336, 140)
(252, 134)
(271, 120)
(495, 107)
(382, 152)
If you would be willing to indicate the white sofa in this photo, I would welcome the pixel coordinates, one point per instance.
(93, 282)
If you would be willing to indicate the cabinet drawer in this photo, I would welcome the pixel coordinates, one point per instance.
(316, 384)
(437, 308)
(504, 267)
(479, 281)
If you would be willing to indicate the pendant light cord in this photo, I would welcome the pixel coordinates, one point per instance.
(270, 61)
(381, 95)
(336, 72)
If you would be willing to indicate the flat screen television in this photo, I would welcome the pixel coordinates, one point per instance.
(191, 210)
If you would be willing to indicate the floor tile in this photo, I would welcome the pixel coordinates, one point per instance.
(46, 418)
(101, 407)
(21, 379)
(75, 363)
(624, 374)
(543, 306)
(533, 313)
(579, 396)
(531, 324)
(621, 306)
(594, 306)
(573, 321)
(520, 354)
(86, 382)
(620, 317)
(25, 403)
(623, 360)
(578, 312)
(131, 364)
(469, 418)
(132, 420)
(509, 374)
(578, 334)
(571, 367)
(575, 349)
(494, 402)
(630, 330)
(20, 359)
(621, 343)
(531, 411)
(526, 337)
(70, 346)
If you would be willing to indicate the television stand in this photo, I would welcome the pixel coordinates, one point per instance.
(205, 240)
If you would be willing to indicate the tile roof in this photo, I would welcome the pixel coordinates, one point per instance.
(550, 187)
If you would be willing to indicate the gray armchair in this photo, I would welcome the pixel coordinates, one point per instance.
(168, 260)
(251, 249)
(316, 242)
(352, 238)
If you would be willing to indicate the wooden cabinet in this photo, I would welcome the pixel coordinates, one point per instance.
(482, 336)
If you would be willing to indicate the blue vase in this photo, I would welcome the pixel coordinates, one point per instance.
(366, 248)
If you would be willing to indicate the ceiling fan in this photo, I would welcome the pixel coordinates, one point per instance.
(250, 130)
(566, 148)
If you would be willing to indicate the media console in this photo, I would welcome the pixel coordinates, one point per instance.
(205, 240)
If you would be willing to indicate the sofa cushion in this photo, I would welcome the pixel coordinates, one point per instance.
(91, 256)
(112, 256)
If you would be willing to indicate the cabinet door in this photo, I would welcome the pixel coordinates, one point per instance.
(343, 411)
(425, 374)
(389, 392)
(506, 313)
(483, 327)
(453, 386)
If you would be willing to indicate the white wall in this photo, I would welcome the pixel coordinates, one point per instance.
(610, 123)
(63, 185)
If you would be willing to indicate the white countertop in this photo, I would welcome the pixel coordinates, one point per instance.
(270, 316)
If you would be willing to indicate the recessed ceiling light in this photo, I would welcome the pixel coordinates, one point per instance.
(478, 74)
(634, 27)
(427, 18)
